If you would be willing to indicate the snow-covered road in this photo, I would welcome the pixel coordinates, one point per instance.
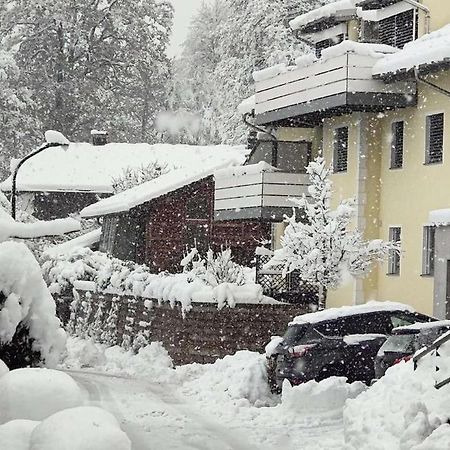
(157, 417)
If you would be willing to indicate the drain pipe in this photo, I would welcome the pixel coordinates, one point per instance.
(425, 9)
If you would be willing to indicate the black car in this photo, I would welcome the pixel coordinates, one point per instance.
(335, 342)
(405, 341)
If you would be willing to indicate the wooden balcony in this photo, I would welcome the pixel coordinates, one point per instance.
(338, 85)
(263, 195)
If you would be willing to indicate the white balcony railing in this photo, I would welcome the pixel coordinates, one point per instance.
(257, 195)
(341, 81)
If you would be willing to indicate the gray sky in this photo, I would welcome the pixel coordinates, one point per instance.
(184, 10)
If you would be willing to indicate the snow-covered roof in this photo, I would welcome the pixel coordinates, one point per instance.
(342, 8)
(345, 311)
(199, 168)
(424, 325)
(432, 48)
(90, 168)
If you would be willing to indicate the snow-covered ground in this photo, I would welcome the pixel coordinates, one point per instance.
(121, 400)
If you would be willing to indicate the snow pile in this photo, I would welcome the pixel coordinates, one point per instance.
(342, 7)
(151, 362)
(114, 276)
(376, 51)
(403, 410)
(10, 228)
(35, 394)
(28, 301)
(269, 72)
(429, 49)
(328, 396)
(239, 378)
(247, 106)
(250, 169)
(344, 311)
(15, 435)
(80, 428)
(87, 167)
(305, 60)
(55, 137)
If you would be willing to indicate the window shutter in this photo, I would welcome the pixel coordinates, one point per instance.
(397, 145)
(340, 149)
(394, 256)
(398, 30)
(435, 138)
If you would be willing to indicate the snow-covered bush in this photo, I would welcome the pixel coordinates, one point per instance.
(27, 310)
(16, 434)
(35, 394)
(215, 269)
(3, 368)
(320, 243)
(134, 176)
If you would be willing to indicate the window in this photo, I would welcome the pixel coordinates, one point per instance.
(340, 149)
(326, 43)
(394, 255)
(397, 145)
(428, 250)
(435, 139)
(398, 30)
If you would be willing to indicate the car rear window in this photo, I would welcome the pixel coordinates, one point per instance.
(294, 334)
(399, 343)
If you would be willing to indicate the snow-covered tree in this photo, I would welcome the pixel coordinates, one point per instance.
(321, 243)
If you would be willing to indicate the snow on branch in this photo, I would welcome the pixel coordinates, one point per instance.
(320, 243)
(12, 229)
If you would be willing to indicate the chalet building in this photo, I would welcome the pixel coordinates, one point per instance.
(373, 98)
(157, 222)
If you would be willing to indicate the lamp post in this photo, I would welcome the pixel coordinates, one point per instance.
(53, 139)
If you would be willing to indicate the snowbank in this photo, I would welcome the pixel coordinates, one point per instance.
(28, 301)
(430, 48)
(343, 311)
(328, 396)
(80, 428)
(342, 7)
(15, 435)
(403, 410)
(87, 167)
(35, 394)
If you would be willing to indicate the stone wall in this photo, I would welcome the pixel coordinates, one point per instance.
(202, 336)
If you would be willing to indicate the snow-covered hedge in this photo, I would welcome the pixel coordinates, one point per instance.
(119, 277)
(26, 302)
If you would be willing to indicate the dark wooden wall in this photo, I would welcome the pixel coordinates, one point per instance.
(160, 232)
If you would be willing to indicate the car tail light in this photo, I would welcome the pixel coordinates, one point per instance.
(403, 358)
(300, 350)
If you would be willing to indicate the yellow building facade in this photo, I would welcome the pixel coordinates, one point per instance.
(343, 90)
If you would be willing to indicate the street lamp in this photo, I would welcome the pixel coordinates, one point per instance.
(52, 139)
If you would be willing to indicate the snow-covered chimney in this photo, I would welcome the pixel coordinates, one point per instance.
(99, 137)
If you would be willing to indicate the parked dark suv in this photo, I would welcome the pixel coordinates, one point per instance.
(335, 342)
(405, 341)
